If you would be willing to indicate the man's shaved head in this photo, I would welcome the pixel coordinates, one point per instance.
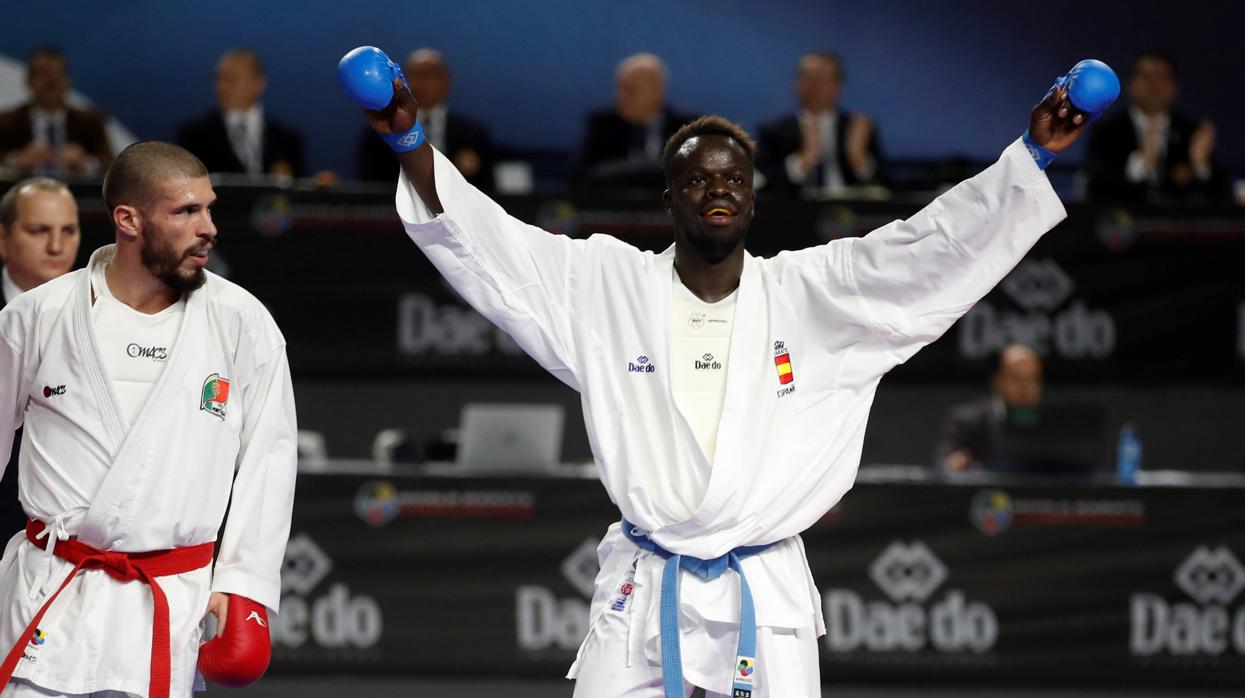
(135, 178)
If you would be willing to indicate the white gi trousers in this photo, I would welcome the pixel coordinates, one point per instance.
(788, 657)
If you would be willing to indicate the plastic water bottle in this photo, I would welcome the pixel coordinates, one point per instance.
(1128, 462)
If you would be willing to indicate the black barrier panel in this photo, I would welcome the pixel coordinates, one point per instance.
(1144, 296)
(931, 584)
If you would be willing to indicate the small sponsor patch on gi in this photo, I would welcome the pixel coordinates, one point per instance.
(33, 645)
(624, 591)
(642, 364)
(215, 395)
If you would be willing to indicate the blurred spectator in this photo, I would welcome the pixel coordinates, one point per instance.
(1148, 152)
(46, 135)
(38, 235)
(463, 140)
(972, 435)
(239, 136)
(38, 242)
(622, 145)
(822, 148)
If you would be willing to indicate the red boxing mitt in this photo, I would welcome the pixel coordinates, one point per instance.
(239, 656)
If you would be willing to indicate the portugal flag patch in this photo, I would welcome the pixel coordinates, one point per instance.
(783, 364)
(215, 395)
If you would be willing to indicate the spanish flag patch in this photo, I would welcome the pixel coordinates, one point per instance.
(783, 363)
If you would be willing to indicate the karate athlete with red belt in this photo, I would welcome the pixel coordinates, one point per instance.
(154, 395)
(725, 395)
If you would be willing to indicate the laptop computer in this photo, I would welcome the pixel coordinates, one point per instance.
(1065, 440)
(510, 437)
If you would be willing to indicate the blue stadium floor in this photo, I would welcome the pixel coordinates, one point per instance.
(319, 687)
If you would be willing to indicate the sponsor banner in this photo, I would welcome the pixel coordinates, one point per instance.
(936, 584)
(1205, 624)
(1109, 294)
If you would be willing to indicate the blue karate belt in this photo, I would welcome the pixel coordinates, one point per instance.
(744, 671)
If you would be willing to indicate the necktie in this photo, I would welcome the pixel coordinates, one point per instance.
(244, 147)
(53, 135)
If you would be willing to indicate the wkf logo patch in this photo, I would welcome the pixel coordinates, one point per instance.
(215, 395)
(745, 677)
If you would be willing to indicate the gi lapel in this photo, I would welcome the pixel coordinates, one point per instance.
(749, 337)
(111, 509)
(87, 351)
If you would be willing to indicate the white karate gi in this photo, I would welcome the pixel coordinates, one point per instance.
(596, 314)
(163, 483)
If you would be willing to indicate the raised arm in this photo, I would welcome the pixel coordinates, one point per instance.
(919, 276)
(909, 281)
(417, 164)
(515, 274)
(377, 84)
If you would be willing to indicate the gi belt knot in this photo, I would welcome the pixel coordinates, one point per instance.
(743, 672)
(117, 565)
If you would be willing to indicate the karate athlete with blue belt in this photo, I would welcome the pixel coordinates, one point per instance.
(725, 396)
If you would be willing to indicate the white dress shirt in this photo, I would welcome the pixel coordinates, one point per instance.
(246, 136)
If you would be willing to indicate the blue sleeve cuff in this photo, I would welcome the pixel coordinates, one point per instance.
(1041, 156)
(405, 142)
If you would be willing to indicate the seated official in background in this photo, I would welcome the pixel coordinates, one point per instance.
(464, 141)
(820, 149)
(239, 136)
(1014, 431)
(972, 434)
(1150, 152)
(623, 145)
(47, 136)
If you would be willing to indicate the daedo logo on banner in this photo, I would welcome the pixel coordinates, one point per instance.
(1039, 287)
(1208, 625)
(546, 621)
(316, 618)
(912, 618)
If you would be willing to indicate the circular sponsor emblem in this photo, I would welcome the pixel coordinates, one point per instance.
(47, 392)
(991, 511)
(272, 216)
(1117, 230)
(558, 217)
(132, 350)
(627, 589)
(377, 503)
(696, 320)
(836, 222)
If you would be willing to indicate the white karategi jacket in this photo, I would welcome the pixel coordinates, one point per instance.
(164, 483)
(596, 314)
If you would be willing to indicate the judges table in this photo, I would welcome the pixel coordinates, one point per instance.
(922, 579)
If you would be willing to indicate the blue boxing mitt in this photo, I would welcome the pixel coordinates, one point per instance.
(1092, 87)
(367, 75)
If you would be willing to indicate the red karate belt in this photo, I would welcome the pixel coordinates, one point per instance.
(123, 567)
